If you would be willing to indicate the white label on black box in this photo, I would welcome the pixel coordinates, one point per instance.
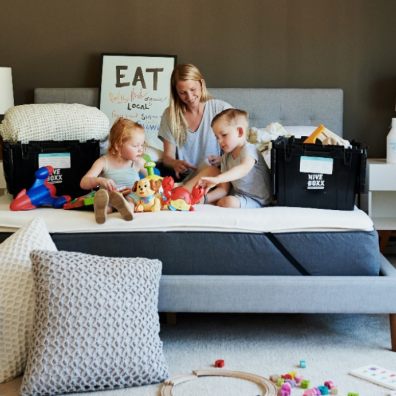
(56, 160)
(316, 165)
(56, 176)
(315, 181)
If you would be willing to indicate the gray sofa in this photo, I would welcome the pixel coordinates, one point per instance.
(286, 294)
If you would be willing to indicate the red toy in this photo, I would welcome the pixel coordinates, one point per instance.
(219, 363)
(42, 193)
(179, 198)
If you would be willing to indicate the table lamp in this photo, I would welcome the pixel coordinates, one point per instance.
(6, 90)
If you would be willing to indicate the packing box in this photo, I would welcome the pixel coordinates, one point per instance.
(70, 159)
(316, 176)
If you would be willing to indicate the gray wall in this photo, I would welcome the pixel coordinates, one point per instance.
(347, 44)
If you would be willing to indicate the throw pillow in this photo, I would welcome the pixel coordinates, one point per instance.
(96, 324)
(17, 295)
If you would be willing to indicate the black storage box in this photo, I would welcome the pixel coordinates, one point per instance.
(316, 176)
(70, 159)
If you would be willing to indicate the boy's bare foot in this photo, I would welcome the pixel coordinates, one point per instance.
(101, 201)
(118, 201)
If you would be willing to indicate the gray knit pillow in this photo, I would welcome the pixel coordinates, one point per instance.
(96, 324)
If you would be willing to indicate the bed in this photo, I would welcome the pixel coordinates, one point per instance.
(215, 260)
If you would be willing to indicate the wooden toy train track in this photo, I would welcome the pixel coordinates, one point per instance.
(269, 389)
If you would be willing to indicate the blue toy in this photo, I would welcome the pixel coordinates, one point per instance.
(42, 193)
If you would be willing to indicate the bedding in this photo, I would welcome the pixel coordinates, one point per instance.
(271, 240)
(203, 218)
(207, 253)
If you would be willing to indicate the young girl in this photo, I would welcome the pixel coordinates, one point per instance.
(117, 169)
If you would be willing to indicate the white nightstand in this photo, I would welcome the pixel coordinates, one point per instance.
(382, 197)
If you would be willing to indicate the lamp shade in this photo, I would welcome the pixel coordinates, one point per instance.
(6, 90)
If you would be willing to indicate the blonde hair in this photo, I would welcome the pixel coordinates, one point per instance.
(234, 117)
(122, 130)
(178, 123)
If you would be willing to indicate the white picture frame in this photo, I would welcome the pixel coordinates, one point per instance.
(137, 87)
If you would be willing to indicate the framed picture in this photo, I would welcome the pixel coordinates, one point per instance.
(137, 87)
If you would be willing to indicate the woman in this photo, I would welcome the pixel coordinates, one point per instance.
(190, 146)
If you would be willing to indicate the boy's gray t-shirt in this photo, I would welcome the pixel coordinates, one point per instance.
(256, 184)
(201, 143)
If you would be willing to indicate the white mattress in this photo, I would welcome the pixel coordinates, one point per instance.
(204, 218)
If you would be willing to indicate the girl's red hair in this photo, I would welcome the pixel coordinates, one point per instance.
(122, 130)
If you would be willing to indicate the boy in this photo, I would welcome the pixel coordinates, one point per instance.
(244, 181)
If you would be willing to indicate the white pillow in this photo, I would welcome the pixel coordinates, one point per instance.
(54, 121)
(17, 295)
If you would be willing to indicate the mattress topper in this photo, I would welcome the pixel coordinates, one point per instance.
(276, 219)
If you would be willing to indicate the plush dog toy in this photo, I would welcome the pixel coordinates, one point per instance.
(146, 195)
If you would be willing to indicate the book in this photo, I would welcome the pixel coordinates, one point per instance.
(377, 375)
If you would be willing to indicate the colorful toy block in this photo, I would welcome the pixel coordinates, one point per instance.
(219, 363)
(304, 384)
(329, 384)
(324, 390)
(302, 364)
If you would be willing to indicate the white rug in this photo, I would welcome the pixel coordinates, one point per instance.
(331, 345)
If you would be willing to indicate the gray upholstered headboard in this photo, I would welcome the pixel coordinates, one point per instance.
(265, 105)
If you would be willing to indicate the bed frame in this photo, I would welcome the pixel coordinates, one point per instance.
(272, 294)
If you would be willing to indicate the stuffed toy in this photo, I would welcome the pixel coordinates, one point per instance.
(146, 195)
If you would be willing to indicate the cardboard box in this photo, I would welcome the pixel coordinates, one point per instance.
(316, 176)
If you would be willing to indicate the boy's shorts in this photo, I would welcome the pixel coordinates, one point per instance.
(247, 202)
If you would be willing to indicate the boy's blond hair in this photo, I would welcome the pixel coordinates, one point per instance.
(233, 117)
(122, 130)
(178, 123)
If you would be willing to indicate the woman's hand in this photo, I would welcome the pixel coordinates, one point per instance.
(180, 167)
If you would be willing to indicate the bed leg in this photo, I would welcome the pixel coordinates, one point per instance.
(171, 318)
(392, 321)
(384, 239)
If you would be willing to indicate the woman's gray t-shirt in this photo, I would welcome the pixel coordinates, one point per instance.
(201, 143)
(256, 184)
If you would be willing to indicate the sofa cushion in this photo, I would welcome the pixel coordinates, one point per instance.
(17, 295)
(96, 324)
